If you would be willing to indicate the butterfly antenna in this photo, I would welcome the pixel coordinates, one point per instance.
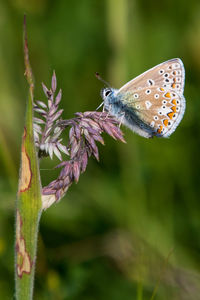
(101, 79)
(102, 103)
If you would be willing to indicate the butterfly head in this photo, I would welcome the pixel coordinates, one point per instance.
(106, 92)
(108, 95)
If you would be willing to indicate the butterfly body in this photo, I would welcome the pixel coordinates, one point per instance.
(151, 104)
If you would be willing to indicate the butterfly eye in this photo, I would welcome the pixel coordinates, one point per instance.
(107, 92)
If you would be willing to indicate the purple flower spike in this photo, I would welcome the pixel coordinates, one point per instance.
(48, 138)
(85, 130)
(53, 82)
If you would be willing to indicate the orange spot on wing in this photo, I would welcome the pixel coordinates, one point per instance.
(160, 129)
(168, 95)
(174, 101)
(170, 115)
(162, 89)
(173, 85)
(165, 122)
(173, 108)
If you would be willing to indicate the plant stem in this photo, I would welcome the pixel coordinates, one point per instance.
(28, 207)
(117, 31)
(139, 291)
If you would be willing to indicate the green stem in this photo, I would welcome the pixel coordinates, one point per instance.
(117, 30)
(139, 291)
(28, 207)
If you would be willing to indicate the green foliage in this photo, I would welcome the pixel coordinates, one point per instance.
(111, 234)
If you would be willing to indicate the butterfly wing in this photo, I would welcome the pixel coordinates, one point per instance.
(168, 75)
(156, 99)
(154, 111)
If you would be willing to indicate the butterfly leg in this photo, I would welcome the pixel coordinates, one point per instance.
(103, 110)
(108, 111)
(121, 117)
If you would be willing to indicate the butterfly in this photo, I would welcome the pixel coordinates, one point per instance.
(152, 104)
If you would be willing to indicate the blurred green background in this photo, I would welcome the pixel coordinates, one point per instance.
(133, 221)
